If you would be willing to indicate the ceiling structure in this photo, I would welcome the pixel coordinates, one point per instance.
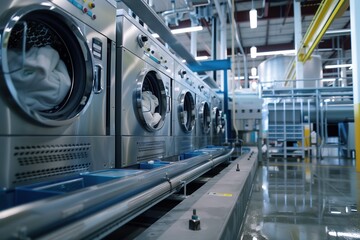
(275, 30)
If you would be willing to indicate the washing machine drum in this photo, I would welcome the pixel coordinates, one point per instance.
(46, 65)
(217, 120)
(151, 100)
(205, 117)
(186, 111)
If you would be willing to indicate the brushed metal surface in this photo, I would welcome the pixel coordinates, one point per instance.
(138, 55)
(88, 114)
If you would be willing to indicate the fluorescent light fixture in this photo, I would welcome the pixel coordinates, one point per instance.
(253, 18)
(344, 234)
(338, 66)
(199, 58)
(182, 30)
(281, 52)
(242, 77)
(335, 212)
(253, 53)
(253, 71)
(187, 29)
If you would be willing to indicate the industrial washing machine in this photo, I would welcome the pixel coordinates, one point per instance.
(55, 100)
(184, 109)
(203, 123)
(144, 74)
(217, 119)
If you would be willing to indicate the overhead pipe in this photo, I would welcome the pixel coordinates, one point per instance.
(43, 216)
(233, 73)
(124, 211)
(176, 11)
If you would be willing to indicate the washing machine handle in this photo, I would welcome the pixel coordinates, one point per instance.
(168, 100)
(98, 87)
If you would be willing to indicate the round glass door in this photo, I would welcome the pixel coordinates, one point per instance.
(217, 120)
(151, 101)
(186, 111)
(205, 117)
(46, 65)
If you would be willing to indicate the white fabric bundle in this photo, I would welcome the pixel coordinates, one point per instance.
(149, 102)
(184, 117)
(43, 81)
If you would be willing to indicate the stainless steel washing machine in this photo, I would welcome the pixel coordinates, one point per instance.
(144, 74)
(184, 109)
(55, 82)
(203, 123)
(217, 122)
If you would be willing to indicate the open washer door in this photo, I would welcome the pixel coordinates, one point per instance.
(217, 120)
(186, 111)
(205, 117)
(46, 65)
(151, 100)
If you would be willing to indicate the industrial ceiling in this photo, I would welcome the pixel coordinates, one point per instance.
(275, 30)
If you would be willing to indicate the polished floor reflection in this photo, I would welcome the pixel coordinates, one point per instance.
(304, 199)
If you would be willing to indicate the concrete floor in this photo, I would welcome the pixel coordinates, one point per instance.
(304, 199)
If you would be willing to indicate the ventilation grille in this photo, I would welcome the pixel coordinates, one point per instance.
(30, 155)
(50, 172)
(150, 150)
(44, 161)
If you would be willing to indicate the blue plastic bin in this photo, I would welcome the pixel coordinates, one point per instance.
(153, 164)
(25, 194)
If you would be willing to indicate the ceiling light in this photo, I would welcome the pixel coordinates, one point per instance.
(253, 71)
(253, 52)
(338, 66)
(182, 30)
(187, 29)
(253, 18)
(281, 52)
(199, 58)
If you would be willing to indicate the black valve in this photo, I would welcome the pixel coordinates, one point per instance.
(142, 39)
(182, 73)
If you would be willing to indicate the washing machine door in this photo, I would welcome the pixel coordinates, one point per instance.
(186, 111)
(205, 117)
(46, 65)
(217, 120)
(151, 100)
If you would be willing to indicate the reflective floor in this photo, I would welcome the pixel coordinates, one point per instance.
(304, 199)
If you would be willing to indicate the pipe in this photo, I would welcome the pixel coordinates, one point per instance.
(233, 72)
(59, 210)
(123, 211)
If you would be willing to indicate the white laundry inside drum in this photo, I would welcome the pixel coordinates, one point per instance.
(42, 81)
(149, 103)
(185, 118)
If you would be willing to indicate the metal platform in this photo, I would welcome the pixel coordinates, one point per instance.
(220, 204)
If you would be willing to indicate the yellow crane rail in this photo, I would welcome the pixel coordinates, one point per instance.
(326, 13)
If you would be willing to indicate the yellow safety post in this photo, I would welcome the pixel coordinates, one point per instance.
(355, 53)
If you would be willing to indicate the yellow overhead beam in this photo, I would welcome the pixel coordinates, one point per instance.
(326, 13)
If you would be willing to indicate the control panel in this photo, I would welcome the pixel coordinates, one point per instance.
(136, 39)
(98, 14)
(85, 6)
